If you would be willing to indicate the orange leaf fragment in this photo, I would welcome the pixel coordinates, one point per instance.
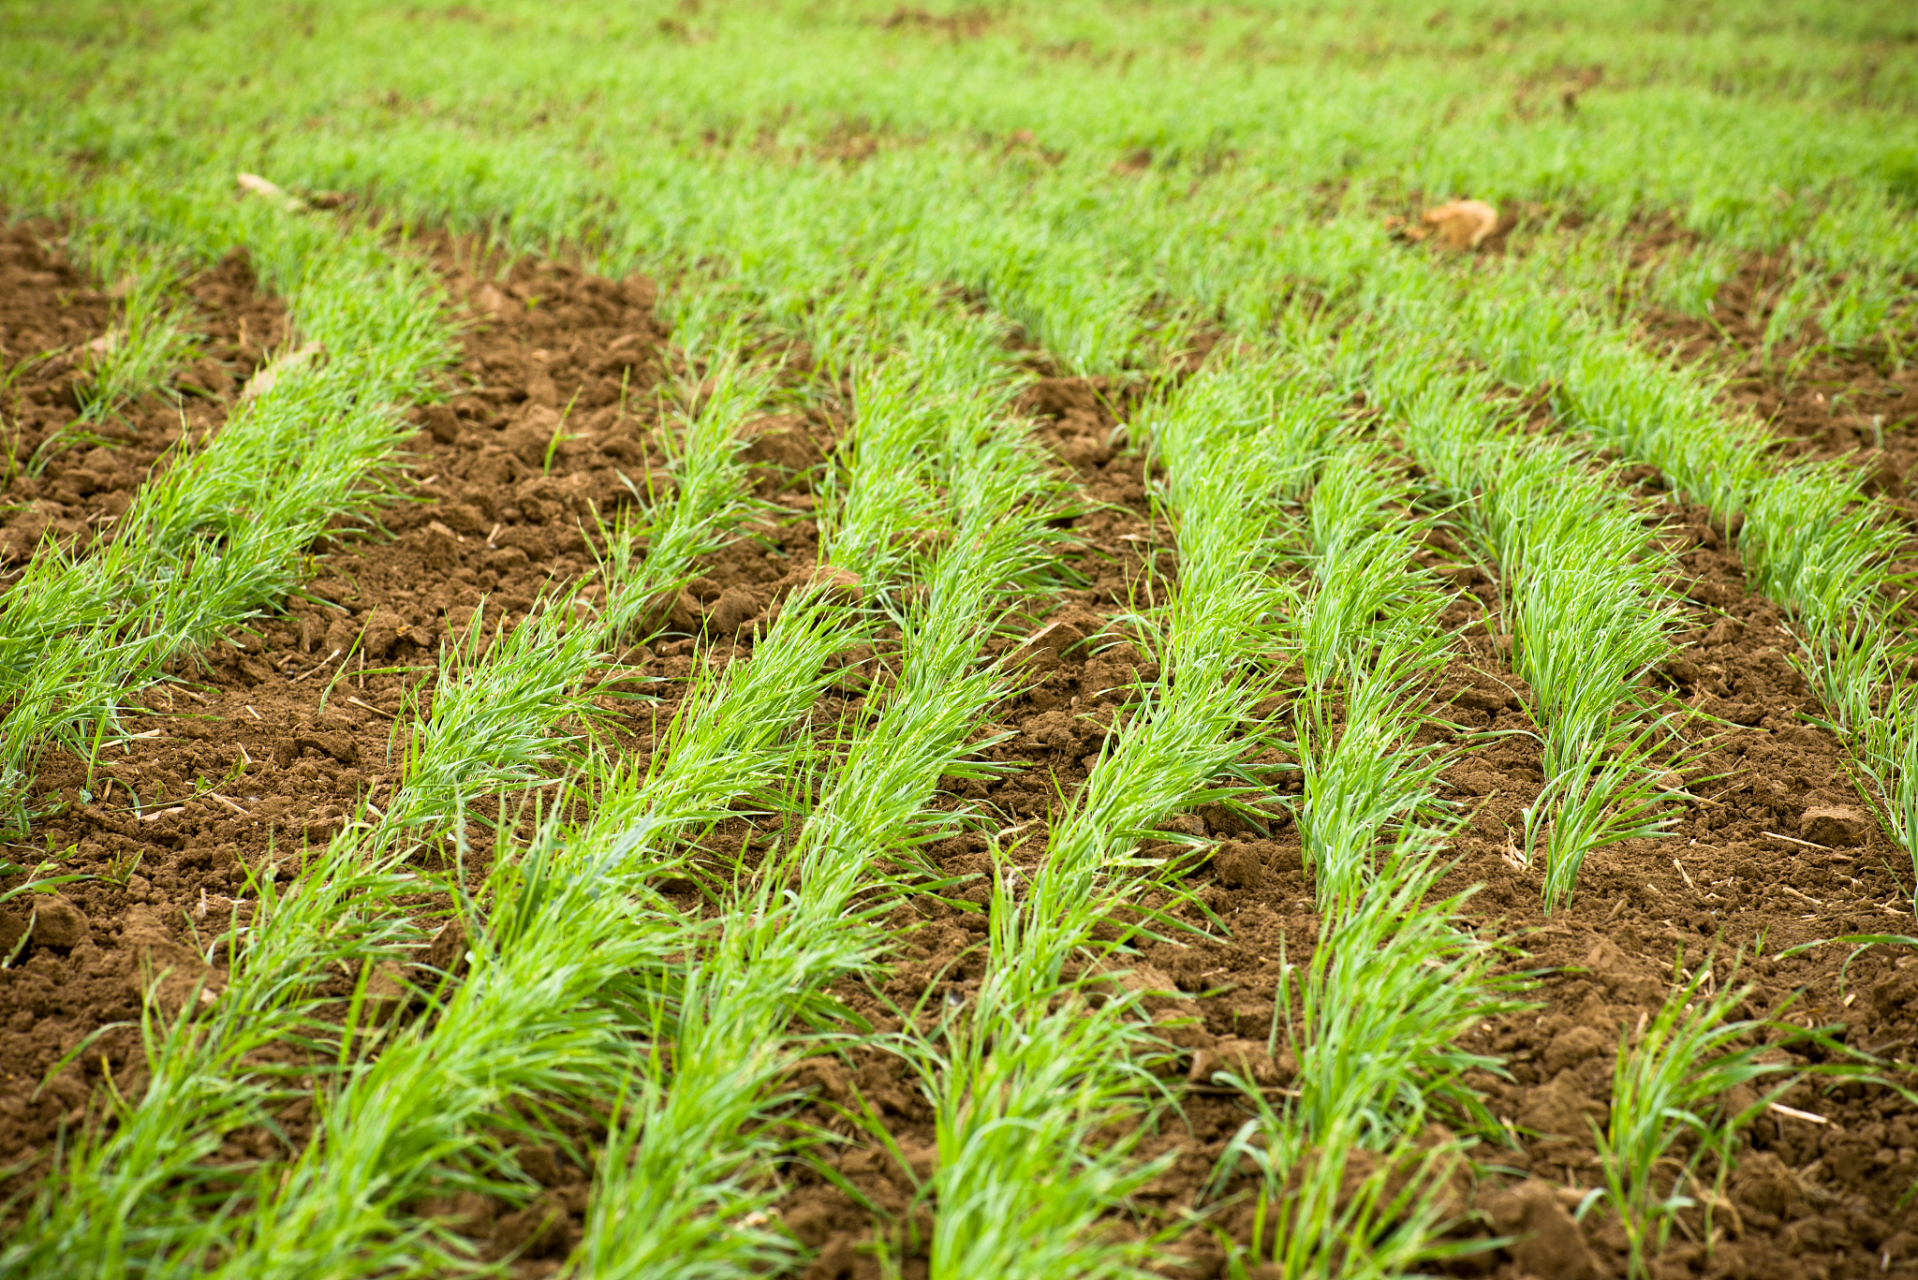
(1462, 224)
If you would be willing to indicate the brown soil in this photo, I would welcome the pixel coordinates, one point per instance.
(1776, 851)
(1821, 403)
(73, 479)
(270, 743)
(266, 744)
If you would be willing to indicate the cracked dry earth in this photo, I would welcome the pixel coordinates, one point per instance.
(275, 740)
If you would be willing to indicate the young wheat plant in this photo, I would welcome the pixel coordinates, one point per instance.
(1367, 635)
(143, 1197)
(490, 726)
(220, 535)
(1672, 1107)
(1810, 538)
(1349, 1175)
(685, 1165)
(1031, 1080)
(578, 975)
(1585, 602)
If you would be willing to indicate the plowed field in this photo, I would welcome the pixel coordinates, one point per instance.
(845, 701)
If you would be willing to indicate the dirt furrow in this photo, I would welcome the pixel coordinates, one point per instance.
(276, 740)
(72, 479)
(272, 742)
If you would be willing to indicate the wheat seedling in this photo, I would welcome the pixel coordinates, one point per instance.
(491, 720)
(684, 1168)
(542, 1013)
(1351, 1179)
(575, 909)
(1033, 1068)
(1810, 538)
(1671, 1086)
(152, 341)
(1367, 637)
(221, 533)
(143, 1196)
(1586, 604)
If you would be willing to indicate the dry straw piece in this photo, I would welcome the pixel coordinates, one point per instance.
(254, 184)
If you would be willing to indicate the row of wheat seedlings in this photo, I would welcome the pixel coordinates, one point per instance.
(1365, 629)
(490, 720)
(1369, 246)
(974, 142)
(1682, 1086)
(1230, 404)
(203, 548)
(1670, 1138)
(1347, 1182)
(484, 733)
(1027, 1078)
(127, 1202)
(1399, 1220)
(1685, 1085)
(488, 732)
(847, 311)
(1586, 604)
(537, 1021)
(1603, 791)
(1346, 1175)
(465, 757)
(573, 963)
(1587, 611)
(467, 751)
(698, 1045)
(689, 1159)
(1347, 1179)
(153, 336)
(220, 534)
(1811, 539)
(1039, 1082)
(1586, 638)
(1392, 986)
(559, 982)
(490, 728)
(573, 966)
(1357, 1166)
(200, 1079)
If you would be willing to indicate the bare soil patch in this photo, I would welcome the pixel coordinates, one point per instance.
(1821, 403)
(72, 479)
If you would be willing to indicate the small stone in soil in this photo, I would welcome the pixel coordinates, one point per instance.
(1548, 1242)
(59, 923)
(1239, 867)
(1840, 828)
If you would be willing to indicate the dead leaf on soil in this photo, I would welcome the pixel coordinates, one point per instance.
(1462, 225)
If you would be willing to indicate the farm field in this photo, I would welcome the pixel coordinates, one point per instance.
(1025, 640)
